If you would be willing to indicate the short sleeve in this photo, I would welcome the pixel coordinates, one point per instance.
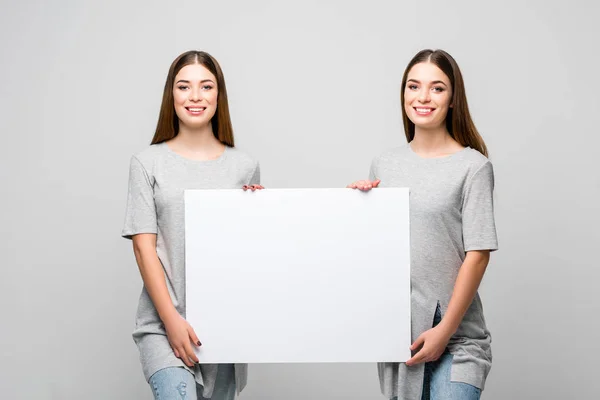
(479, 227)
(140, 214)
(255, 179)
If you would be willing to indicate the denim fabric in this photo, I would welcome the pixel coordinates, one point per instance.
(436, 382)
(177, 383)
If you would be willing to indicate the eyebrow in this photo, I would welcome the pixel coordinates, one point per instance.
(433, 82)
(202, 81)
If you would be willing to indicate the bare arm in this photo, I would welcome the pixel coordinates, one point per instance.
(433, 342)
(179, 332)
(467, 282)
(144, 247)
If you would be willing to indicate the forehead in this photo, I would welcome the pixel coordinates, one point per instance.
(194, 72)
(427, 72)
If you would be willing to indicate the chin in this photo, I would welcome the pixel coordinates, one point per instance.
(429, 125)
(196, 124)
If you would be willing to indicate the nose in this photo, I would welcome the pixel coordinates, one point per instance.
(195, 94)
(424, 95)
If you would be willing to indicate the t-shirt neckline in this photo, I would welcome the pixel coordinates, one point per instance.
(178, 156)
(432, 160)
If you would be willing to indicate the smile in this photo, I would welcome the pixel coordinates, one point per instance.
(423, 110)
(195, 110)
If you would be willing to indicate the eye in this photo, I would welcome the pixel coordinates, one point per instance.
(207, 87)
(182, 87)
(438, 89)
(412, 86)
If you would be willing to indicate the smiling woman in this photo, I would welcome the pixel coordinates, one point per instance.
(427, 97)
(195, 79)
(195, 95)
(444, 88)
(453, 230)
(192, 148)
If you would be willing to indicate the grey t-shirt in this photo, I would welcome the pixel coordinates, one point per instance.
(155, 204)
(451, 212)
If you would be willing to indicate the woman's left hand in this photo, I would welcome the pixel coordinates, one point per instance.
(252, 187)
(432, 342)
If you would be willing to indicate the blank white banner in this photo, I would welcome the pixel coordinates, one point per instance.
(299, 275)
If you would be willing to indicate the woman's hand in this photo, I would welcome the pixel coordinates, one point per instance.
(182, 338)
(364, 185)
(432, 344)
(252, 187)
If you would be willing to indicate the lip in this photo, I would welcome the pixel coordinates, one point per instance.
(195, 110)
(423, 111)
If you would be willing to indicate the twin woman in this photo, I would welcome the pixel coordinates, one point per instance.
(445, 165)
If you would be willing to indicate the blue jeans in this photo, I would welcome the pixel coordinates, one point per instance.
(177, 383)
(436, 381)
(437, 384)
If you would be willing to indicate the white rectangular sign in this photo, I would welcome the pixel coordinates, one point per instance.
(298, 275)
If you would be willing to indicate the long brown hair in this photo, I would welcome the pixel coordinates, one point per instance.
(168, 122)
(458, 121)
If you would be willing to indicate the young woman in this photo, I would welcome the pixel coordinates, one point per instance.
(192, 149)
(451, 182)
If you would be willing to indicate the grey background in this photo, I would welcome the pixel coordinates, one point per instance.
(314, 89)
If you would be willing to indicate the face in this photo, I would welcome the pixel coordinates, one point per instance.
(195, 95)
(427, 96)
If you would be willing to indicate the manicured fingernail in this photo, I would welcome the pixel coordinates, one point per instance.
(199, 344)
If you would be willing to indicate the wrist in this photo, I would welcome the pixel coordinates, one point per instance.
(447, 328)
(168, 314)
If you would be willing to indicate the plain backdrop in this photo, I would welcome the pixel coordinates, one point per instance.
(314, 95)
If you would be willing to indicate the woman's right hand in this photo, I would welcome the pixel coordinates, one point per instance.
(364, 185)
(182, 338)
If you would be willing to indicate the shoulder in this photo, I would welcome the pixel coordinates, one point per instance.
(477, 164)
(475, 160)
(241, 159)
(148, 158)
(149, 155)
(392, 155)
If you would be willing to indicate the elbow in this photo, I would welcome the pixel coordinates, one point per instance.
(480, 258)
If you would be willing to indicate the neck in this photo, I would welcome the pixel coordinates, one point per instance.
(434, 142)
(197, 139)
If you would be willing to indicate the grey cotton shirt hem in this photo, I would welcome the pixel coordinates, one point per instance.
(451, 212)
(155, 204)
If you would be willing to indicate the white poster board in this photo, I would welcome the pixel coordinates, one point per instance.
(298, 275)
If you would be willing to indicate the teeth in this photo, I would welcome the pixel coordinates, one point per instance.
(423, 110)
(195, 109)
